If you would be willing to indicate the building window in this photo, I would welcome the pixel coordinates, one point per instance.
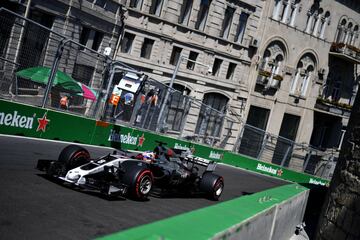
(101, 3)
(302, 77)
(185, 12)
(284, 147)
(340, 36)
(83, 74)
(192, 59)
(202, 14)
(229, 13)
(146, 48)
(231, 70)
(178, 107)
(136, 4)
(212, 114)
(241, 27)
(84, 36)
(254, 131)
(156, 7)
(175, 55)
(127, 42)
(336, 90)
(90, 38)
(216, 67)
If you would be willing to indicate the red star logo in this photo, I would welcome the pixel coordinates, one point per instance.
(141, 140)
(42, 123)
(279, 172)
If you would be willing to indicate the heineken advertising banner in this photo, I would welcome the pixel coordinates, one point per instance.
(25, 120)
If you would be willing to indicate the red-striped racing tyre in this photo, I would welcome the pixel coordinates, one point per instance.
(74, 156)
(212, 185)
(143, 184)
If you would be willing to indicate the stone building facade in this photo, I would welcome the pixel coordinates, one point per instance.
(216, 42)
(286, 67)
(305, 75)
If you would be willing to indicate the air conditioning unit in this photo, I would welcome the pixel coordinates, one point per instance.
(254, 42)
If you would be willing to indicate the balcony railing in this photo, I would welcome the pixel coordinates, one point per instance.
(345, 51)
(333, 106)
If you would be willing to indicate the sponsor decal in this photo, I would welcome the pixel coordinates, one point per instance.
(16, 120)
(181, 147)
(317, 182)
(126, 138)
(269, 169)
(215, 155)
(42, 123)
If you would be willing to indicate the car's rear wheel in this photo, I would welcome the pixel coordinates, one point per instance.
(212, 185)
(73, 156)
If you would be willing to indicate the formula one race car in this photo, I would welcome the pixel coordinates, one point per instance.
(135, 175)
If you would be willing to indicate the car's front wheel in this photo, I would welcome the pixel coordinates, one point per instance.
(139, 182)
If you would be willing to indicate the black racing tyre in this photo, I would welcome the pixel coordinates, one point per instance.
(140, 182)
(74, 156)
(212, 185)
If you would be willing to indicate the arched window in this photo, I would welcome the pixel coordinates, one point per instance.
(212, 114)
(270, 69)
(341, 31)
(302, 77)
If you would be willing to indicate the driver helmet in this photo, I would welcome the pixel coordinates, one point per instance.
(148, 156)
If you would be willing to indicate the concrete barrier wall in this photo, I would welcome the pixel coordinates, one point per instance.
(271, 214)
(276, 223)
(289, 214)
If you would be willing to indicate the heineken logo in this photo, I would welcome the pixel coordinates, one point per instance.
(126, 138)
(21, 121)
(181, 147)
(215, 155)
(317, 182)
(269, 169)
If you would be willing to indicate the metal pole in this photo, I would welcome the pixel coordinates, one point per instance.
(112, 73)
(285, 156)
(264, 143)
(307, 160)
(161, 120)
(54, 68)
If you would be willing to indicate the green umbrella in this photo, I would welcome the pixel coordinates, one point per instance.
(41, 75)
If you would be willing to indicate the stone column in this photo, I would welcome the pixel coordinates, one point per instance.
(276, 11)
(295, 81)
(317, 24)
(326, 22)
(286, 12)
(309, 23)
(293, 17)
(340, 217)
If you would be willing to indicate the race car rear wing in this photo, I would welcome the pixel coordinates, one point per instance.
(210, 165)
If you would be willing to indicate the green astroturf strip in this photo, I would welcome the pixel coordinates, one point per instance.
(206, 222)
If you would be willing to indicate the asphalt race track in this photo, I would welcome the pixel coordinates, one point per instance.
(33, 207)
